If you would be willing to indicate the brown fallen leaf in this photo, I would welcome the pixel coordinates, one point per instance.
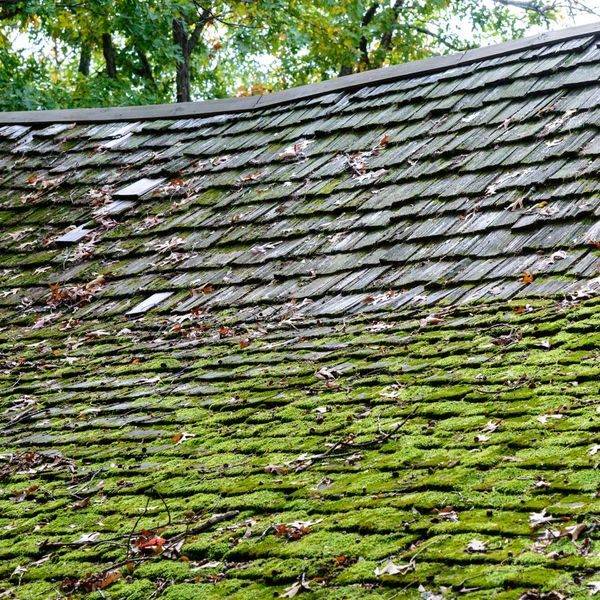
(252, 176)
(574, 531)
(207, 289)
(276, 470)
(225, 332)
(91, 583)
(179, 438)
(81, 503)
(526, 277)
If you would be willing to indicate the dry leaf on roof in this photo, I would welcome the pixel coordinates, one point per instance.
(149, 222)
(87, 537)
(83, 503)
(207, 289)
(218, 161)
(276, 470)
(294, 151)
(477, 546)
(393, 569)
(75, 294)
(594, 450)
(179, 438)
(594, 587)
(371, 175)
(213, 564)
(526, 277)
(537, 595)
(351, 460)
(544, 418)
(252, 176)
(574, 531)
(294, 531)
(516, 204)
(165, 246)
(296, 588)
(447, 513)
(434, 319)
(42, 321)
(153, 543)
(383, 142)
(492, 425)
(225, 332)
(326, 374)
(482, 438)
(91, 583)
(428, 595)
(538, 519)
(262, 249)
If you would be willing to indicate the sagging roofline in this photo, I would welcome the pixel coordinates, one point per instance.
(249, 103)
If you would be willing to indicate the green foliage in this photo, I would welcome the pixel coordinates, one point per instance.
(58, 53)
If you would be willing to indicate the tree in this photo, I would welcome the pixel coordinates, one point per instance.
(62, 53)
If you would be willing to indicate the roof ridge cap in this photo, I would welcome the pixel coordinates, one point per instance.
(248, 103)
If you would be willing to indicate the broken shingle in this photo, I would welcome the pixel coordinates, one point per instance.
(149, 303)
(139, 188)
(74, 235)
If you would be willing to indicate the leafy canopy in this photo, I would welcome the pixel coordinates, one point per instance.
(67, 53)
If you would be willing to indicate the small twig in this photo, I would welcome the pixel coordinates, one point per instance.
(133, 529)
(205, 525)
(87, 483)
(166, 508)
(264, 534)
(46, 545)
(388, 435)
(331, 453)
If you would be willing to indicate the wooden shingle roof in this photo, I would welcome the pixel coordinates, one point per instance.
(341, 341)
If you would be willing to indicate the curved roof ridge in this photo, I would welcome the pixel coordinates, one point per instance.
(248, 103)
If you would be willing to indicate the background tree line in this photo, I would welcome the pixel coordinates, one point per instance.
(64, 53)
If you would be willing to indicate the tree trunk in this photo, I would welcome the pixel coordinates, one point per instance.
(145, 68)
(386, 38)
(363, 44)
(182, 78)
(109, 55)
(85, 58)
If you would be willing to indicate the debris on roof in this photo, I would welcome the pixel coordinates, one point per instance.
(348, 349)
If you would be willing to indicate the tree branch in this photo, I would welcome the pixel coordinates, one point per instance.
(364, 44)
(200, 24)
(109, 55)
(145, 69)
(529, 5)
(440, 38)
(386, 38)
(85, 58)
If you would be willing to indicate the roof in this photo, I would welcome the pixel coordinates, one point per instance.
(345, 340)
